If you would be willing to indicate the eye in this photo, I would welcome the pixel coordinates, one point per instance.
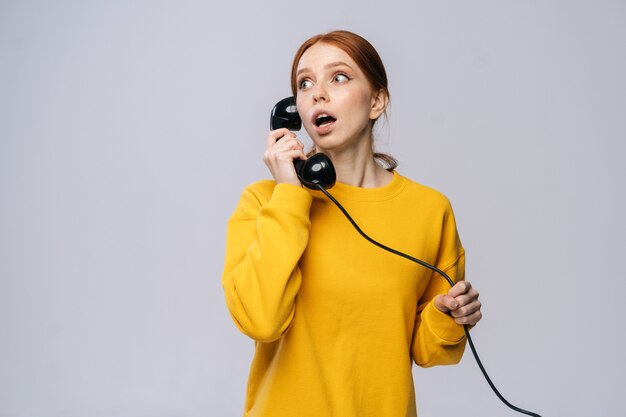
(304, 84)
(341, 78)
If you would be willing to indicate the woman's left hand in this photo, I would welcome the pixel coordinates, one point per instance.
(461, 302)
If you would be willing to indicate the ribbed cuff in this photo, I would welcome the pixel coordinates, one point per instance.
(442, 324)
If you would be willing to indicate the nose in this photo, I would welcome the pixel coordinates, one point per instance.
(320, 94)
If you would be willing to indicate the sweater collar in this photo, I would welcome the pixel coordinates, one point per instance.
(351, 192)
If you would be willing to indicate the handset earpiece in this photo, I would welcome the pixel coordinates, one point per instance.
(285, 114)
(318, 169)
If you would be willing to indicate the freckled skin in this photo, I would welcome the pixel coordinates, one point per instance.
(328, 79)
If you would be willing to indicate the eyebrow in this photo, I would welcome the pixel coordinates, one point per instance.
(327, 66)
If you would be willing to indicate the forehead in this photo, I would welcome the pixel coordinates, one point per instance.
(321, 54)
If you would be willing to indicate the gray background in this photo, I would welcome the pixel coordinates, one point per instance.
(128, 129)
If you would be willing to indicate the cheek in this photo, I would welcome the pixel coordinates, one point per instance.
(302, 109)
(358, 96)
(358, 102)
(303, 100)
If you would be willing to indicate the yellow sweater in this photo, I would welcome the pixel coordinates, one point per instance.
(336, 320)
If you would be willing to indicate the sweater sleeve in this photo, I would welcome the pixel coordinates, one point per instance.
(265, 239)
(437, 338)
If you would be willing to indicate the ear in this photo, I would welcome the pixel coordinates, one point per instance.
(378, 103)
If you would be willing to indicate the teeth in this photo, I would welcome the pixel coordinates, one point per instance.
(323, 118)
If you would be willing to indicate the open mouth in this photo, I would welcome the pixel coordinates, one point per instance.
(324, 119)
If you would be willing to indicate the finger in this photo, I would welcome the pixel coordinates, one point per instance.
(275, 135)
(294, 154)
(283, 152)
(288, 155)
(468, 297)
(459, 288)
(445, 303)
(470, 320)
(290, 144)
(286, 143)
(282, 168)
(467, 310)
(293, 143)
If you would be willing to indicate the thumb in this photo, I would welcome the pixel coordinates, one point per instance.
(445, 303)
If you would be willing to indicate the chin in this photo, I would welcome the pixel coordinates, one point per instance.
(326, 144)
(333, 142)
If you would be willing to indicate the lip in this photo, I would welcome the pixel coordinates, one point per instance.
(324, 129)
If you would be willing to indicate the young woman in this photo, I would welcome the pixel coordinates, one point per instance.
(337, 321)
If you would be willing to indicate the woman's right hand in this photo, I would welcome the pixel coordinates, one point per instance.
(281, 149)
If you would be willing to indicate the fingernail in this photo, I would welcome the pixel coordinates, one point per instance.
(455, 305)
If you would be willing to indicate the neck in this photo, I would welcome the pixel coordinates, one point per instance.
(358, 168)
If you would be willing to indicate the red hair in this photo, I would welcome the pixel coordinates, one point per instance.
(358, 48)
(367, 59)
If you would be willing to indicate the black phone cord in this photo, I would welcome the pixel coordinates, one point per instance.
(443, 274)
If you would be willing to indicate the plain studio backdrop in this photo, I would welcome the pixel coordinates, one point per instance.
(129, 129)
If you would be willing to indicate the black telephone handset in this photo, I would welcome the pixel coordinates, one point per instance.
(317, 169)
